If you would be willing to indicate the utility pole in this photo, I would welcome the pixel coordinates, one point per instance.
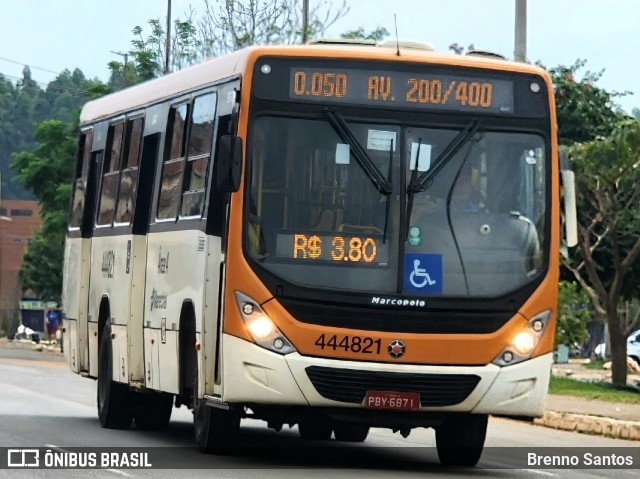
(167, 45)
(520, 52)
(123, 81)
(305, 21)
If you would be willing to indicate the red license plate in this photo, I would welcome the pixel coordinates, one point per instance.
(392, 400)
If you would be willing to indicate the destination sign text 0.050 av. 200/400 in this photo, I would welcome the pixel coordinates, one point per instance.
(402, 89)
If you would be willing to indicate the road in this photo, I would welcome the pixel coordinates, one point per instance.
(43, 404)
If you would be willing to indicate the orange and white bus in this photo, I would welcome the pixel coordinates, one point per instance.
(335, 236)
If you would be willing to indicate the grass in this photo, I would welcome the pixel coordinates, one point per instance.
(596, 364)
(593, 390)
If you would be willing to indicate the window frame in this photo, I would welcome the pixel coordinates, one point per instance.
(124, 162)
(190, 160)
(82, 167)
(186, 159)
(107, 163)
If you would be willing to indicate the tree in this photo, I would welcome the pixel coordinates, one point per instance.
(222, 27)
(584, 111)
(359, 34)
(573, 314)
(608, 188)
(236, 24)
(47, 172)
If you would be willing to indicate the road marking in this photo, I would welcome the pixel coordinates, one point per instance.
(114, 471)
(118, 471)
(504, 466)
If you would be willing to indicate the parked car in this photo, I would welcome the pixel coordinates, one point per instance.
(633, 347)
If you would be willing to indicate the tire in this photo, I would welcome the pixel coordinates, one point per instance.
(153, 411)
(216, 430)
(315, 428)
(350, 432)
(113, 398)
(460, 439)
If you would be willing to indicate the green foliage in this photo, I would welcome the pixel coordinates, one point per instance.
(593, 390)
(222, 27)
(608, 191)
(148, 53)
(47, 172)
(359, 34)
(49, 168)
(573, 314)
(585, 111)
(25, 105)
(608, 196)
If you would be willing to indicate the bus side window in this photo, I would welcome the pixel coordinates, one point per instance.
(199, 154)
(81, 176)
(174, 163)
(110, 175)
(129, 174)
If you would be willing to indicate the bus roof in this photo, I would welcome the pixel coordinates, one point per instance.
(236, 63)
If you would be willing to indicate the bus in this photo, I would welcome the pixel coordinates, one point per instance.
(338, 237)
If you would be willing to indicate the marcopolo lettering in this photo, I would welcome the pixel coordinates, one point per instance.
(400, 302)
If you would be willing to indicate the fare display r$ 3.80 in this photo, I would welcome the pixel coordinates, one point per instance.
(342, 248)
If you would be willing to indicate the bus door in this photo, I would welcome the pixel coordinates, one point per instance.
(140, 175)
(217, 228)
(77, 254)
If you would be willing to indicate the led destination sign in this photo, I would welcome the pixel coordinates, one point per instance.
(342, 248)
(402, 89)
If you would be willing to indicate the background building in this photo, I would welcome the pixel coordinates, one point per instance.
(19, 220)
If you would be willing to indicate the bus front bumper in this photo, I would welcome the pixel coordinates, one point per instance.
(254, 375)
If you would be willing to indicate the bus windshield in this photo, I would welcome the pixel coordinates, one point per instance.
(476, 228)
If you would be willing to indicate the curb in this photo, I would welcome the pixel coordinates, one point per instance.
(596, 425)
(28, 344)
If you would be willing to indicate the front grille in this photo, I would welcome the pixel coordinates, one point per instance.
(351, 386)
(379, 319)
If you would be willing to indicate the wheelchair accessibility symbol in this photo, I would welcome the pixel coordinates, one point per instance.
(419, 276)
(423, 273)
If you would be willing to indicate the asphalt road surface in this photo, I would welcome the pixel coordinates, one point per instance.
(43, 404)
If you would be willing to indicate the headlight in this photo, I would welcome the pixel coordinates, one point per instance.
(523, 343)
(263, 331)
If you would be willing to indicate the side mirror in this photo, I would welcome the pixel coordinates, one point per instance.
(229, 163)
(569, 193)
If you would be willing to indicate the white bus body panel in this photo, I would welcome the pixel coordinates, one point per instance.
(111, 279)
(254, 375)
(77, 264)
(175, 274)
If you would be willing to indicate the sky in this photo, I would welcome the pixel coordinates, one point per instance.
(51, 36)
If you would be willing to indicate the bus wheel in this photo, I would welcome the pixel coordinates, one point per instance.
(114, 399)
(460, 439)
(215, 429)
(315, 428)
(154, 411)
(350, 432)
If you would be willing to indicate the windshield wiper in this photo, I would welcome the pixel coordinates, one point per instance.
(387, 205)
(382, 184)
(422, 182)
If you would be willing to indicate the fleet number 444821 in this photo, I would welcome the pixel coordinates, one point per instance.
(354, 344)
